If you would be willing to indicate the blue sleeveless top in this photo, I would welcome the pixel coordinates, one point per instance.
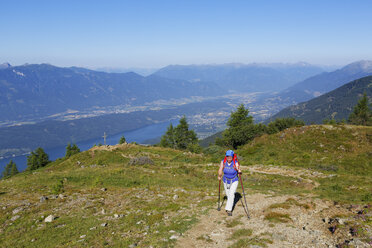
(229, 173)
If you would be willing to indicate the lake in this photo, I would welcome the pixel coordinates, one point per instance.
(139, 135)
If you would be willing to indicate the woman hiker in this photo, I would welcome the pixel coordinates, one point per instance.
(230, 170)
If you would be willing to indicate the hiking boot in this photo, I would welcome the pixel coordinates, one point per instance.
(229, 213)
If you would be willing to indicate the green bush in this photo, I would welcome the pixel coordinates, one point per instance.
(58, 188)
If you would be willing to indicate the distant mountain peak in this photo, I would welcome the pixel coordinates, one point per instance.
(5, 65)
(358, 66)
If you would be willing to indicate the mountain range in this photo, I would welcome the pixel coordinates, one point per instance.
(325, 82)
(31, 92)
(315, 86)
(4, 65)
(35, 91)
(337, 104)
(244, 77)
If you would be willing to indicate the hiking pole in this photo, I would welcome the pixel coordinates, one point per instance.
(219, 195)
(246, 206)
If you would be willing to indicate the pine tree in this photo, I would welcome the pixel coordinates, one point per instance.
(75, 149)
(240, 128)
(361, 115)
(68, 151)
(183, 136)
(13, 169)
(10, 169)
(167, 140)
(7, 170)
(71, 150)
(122, 140)
(37, 159)
(180, 137)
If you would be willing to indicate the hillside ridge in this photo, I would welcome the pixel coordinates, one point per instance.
(130, 195)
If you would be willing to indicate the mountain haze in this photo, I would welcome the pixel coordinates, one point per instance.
(325, 82)
(244, 77)
(34, 91)
(314, 86)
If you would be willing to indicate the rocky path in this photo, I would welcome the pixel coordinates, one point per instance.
(305, 228)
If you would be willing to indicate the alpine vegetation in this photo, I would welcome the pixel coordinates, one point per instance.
(180, 137)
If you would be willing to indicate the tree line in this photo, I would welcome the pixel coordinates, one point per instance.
(241, 128)
(361, 114)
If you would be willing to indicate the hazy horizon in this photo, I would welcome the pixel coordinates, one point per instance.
(154, 34)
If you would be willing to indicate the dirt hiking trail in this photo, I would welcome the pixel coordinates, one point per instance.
(302, 221)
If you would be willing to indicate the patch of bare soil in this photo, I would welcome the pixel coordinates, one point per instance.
(302, 174)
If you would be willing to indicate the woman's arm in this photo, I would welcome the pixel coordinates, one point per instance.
(238, 167)
(220, 171)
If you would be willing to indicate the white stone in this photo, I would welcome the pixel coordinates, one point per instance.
(174, 237)
(15, 217)
(17, 210)
(50, 218)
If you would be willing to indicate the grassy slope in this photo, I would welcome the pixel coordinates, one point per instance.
(345, 151)
(143, 195)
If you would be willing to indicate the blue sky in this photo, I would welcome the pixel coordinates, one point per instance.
(158, 33)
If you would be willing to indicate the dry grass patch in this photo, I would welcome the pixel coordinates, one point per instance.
(232, 223)
(277, 217)
(241, 233)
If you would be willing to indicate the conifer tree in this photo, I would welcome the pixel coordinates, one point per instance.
(6, 172)
(122, 140)
(71, 150)
(361, 115)
(241, 128)
(68, 150)
(13, 169)
(37, 159)
(75, 149)
(183, 136)
(180, 137)
(10, 169)
(167, 140)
